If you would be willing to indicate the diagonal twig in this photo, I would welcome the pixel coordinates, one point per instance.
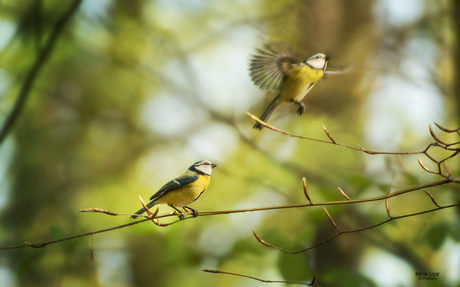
(312, 283)
(35, 70)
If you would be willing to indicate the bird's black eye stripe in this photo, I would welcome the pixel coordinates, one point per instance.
(197, 170)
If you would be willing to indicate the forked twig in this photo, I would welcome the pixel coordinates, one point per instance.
(438, 143)
(154, 216)
(330, 141)
(351, 231)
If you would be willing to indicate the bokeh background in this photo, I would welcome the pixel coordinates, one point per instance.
(133, 92)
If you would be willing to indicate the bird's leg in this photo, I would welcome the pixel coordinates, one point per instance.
(195, 212)
(302, 107)
(181, 214)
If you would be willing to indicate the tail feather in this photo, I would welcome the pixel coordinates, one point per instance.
(268, 112)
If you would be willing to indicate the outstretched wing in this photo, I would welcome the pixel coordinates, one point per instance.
(267, 69)
(174, 184)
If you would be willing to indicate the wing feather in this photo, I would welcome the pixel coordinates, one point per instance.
(268, 67)
(174, 184)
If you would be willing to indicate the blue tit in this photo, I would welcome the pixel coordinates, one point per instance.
(275, 69)
(184, 189)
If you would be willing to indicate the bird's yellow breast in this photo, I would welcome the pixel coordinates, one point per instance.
(186, 194)
(298, 81)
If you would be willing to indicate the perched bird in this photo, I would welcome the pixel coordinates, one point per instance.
(184, 189)
(275, 69)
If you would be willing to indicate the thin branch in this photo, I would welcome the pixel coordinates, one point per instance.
(100, 210)
(40, 245)
(438, 143)
(352, 231)
(312, 283)
(35, 70)
(210, 213)
(332, 141)
(293, 252)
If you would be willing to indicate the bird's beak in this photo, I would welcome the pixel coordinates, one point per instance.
(327, 58)
(213, 165)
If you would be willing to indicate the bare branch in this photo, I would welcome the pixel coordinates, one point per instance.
(329, 142)
(209, 213)
(39, 245)
(355, 230)
(108, 212)
(266, 243)
(35, 70)
(100, 210)
(438, 143)
(312, 283)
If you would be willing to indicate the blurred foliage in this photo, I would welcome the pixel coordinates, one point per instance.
(136, 91)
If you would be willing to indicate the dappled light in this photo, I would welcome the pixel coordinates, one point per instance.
(350, 177)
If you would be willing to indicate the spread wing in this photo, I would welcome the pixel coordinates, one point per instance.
(267, 69)
(175, 184)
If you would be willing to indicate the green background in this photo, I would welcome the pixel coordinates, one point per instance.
(133, 92)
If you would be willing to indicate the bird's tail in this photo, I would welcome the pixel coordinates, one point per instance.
(142, 210)
(268, 112)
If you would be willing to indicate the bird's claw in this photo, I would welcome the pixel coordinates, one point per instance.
(194, 211)
(302, 107)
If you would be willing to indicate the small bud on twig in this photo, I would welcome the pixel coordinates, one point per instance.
(435, 136)
(343, 193)
(387, 204)
(328, 134)
(304, 182)
(445, 129)
(424, 167)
